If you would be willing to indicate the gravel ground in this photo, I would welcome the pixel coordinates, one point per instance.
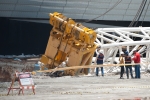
(109, 87)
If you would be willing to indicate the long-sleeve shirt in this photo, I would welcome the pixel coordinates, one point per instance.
(136, 57)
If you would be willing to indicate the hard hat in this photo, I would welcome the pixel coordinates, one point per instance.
(122, 53)
(101, 51)
(134, 49)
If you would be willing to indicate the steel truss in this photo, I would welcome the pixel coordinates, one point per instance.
(112, 40)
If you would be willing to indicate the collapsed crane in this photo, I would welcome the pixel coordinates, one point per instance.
(69, 42)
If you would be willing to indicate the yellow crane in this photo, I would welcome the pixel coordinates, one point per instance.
(69, 41)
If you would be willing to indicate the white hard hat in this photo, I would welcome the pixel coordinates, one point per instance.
(134, 49)
(101, 51)
(122, 53)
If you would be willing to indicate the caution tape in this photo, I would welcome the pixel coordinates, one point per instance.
(86, 66)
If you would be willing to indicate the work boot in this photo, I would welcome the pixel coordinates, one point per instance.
(132, 77)
(127, 76)
(121, 78)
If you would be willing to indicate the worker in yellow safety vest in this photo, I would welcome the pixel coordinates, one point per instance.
(121, 61)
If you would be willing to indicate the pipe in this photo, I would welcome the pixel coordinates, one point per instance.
(113, 36)
(108, 40)
(135, 47)
(144, 33)
(131, 29)
(136, 35)
(125, 44)
(118, 32)
(98, 42)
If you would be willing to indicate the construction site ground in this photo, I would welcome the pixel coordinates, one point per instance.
(109, 87)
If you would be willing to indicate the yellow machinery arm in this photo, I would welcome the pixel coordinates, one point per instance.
(69, 41)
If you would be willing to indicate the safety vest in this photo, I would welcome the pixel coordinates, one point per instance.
(121, 59)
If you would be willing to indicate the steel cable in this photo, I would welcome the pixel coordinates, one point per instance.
(145, 12)
(136, 16)
(104, 13)
(140, 13)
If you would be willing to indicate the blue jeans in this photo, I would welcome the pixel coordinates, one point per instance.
(97, 71)
(127, 71)
(137, 71)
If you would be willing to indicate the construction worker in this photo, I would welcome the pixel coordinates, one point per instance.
(95, 62)
(100, 58)
(136, 60)
(128, 60)
(121, 61)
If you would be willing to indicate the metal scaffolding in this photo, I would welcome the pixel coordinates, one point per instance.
(116, 40)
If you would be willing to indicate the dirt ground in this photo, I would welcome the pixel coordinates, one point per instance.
(109, 87)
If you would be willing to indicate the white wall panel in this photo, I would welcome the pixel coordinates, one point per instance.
(8, 1)
(74, 10)
(136, 1)
(148, 13)
(101, 1)
(128, 18)
(27, 8)
(141, 18)
(95, 11)
(7, 7)
(148, 8)
(73, 16)
(131, 12)
(147, 18)
(126, 1)
(98, 5)
(120, 6)
(5, 13)
(43, 15)
(113, 17)
(79, 0)
(90, 25)
(30, 2)
(24, 14)
(90, 17)
(117, 12)
(134, 7)
(51, 9)
(79, 4)
(56, 3)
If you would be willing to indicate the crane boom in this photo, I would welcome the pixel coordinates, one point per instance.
(69, 42)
